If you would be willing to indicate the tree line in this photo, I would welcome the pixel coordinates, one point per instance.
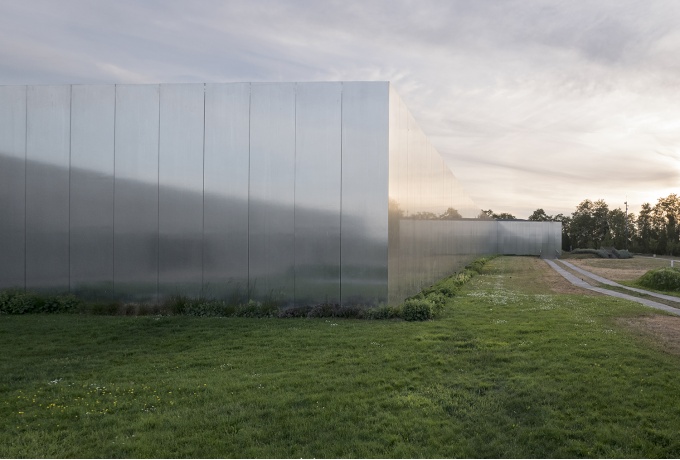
(655, 230)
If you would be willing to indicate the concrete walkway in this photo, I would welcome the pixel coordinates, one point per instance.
(576, 281)
(612, 283)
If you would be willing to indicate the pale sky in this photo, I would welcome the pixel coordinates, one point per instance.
(532, 104)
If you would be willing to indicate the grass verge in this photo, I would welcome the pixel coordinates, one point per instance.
(510, 370)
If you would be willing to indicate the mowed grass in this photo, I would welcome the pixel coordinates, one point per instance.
(511, 370)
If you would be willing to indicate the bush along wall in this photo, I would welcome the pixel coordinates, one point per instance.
(429, 303)
(426, 305)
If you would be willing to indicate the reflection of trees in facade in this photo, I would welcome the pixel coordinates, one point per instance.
(449, 214)
(396, 212)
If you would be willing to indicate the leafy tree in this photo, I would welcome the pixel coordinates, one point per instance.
(566, 232)
(539, 215)
(600, 223)
(617, 229)
(489, 214)
(666, 223)
(581, 227)
(646, 235)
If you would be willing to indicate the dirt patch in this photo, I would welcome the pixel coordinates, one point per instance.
(533, 275)
(661, 329)
(620, 269)
(559, 285)
(614, 274)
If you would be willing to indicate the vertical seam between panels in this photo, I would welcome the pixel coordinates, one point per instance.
(113, 201)
(25, 187)
(294, 187)
(158, 200)
(203, 204)
(70, 147)
(342, 98)
(250, 103)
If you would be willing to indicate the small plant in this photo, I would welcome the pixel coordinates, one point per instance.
(383, 312)
(295, 312)
(478, 264)
(177, 304)
(417, 310)
(249, 309)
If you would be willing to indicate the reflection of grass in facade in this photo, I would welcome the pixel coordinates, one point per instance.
(509, 370)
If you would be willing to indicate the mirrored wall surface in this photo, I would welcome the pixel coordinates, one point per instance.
(298, 193)
(434, 226)
(12, 186)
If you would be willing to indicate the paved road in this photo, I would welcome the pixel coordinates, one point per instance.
(582, 284)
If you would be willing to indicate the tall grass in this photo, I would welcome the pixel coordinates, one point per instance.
(509, 370)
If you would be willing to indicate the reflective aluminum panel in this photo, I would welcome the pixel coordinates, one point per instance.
(365, 186)
(180, 176)
(136, 192)
(12, 186)
(227, 142)
(91, 192)
(47, 187)
(317, 192)
(307, 193)
(272, 191)
(426, 240)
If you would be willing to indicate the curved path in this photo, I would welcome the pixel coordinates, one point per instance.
(582, 284)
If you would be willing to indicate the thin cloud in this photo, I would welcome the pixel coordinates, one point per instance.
(571, 98)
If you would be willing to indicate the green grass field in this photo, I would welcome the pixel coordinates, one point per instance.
(510, 370)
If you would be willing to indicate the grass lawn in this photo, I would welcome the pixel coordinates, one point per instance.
(621, 269)
(513, 369)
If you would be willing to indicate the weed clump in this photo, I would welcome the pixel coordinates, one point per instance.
(418, 310)
(661, 279)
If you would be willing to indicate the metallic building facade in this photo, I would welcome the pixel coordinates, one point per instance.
(300, 192)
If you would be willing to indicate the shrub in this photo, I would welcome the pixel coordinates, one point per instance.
(18, 302)
(661, 279)
(295, 312)
(417, 310)
(622, 253)
(177, 304)
(60, 304)
(324, 310)
(349, 311)
(104, 308)
(204, 307)
(254, 309)
(595, 252)
(478, 264)
(14, 302)
(605, 253)
(383, 312)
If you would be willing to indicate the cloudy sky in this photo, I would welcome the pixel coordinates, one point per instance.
(531, 103)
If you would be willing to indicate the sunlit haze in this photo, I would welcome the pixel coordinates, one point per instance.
(533, 104)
